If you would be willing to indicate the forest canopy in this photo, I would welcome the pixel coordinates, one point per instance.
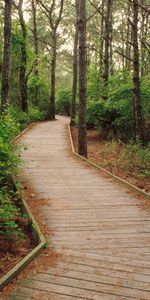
(49, 46)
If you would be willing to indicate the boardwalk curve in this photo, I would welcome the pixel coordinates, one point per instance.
(101, 231)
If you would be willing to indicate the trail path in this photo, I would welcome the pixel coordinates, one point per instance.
(101, 231)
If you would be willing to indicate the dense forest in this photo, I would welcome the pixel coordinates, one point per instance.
(86, 59)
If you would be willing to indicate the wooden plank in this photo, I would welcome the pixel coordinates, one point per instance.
(97, 278)
(100, 271)
(88, 287)
(74, 291)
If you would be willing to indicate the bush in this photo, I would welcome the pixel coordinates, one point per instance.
(96, 113)
(63, 102)
(116, 114)
(20, 117)
(36, 115)
(9, 127)
(8, 214)
(8, 162)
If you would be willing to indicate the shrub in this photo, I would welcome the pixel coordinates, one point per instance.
(9, 127)
(36, 115)
(63, 102)
(96, 112)
(8, 162)
(8, 214)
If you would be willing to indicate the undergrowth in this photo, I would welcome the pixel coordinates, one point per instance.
(12, 122)
(131, 156)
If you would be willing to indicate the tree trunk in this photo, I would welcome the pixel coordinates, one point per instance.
(36, 49)
(107, 40)
(111, 45)
(137, 109)
(23, 66)
(128, 40)
(107, 27)
(51, 113)
(82, 137)
(75, 74)
(142, 42)
(102, 42)
(6, 55)
(147, 48)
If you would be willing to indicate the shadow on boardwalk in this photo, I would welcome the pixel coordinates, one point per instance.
(99, 228)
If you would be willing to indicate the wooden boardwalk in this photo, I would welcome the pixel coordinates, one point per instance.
(101, 231)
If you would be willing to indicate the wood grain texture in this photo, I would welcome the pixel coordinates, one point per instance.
(100, 229)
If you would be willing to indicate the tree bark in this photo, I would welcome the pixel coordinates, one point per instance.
(107, 40)
(6, 55)
(111, 67)
(82, 136)
(23, 66)
(137, 108)
(54, 25)
(128, 39)
(75, 72)
(36, 50)
(102, 42)
(53, 77)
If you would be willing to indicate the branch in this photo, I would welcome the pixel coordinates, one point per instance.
(98, 9)
(49, 11)
(43, 5)
(15, 5)
(92, 48)
(44, 42)
(140, 5)
(45, 10)
(30, 71)
(131, 23)
(147, 46)
(125, 56)
(60, 14)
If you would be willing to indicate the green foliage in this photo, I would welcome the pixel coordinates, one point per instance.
(120, 100)
(43, 92)
(145, 95)
(9, 127)
(115, 114)
(8, 214)
(95, 86)
(96, 113)
(63, 102)
(35, 115)
(8, 162)
(21, 118)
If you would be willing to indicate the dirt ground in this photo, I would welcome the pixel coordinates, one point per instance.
(46, 258)
(110, 163)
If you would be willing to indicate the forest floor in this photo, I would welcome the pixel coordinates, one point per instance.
(12, 253)
(110, 156)
(13, 250)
